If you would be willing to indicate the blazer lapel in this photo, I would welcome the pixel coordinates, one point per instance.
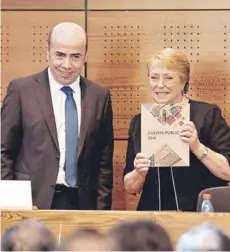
(86, 111)
(43, 94)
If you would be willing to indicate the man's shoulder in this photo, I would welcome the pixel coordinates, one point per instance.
(136, 119)
(94, 86)
(26, 80)
(202, 106)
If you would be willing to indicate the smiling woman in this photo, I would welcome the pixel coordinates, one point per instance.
(207, 134)
(168, 76)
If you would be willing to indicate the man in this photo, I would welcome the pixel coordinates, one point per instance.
(57, 129)
(28, 235)
(204, 237)
(85, 239)
(139, 235)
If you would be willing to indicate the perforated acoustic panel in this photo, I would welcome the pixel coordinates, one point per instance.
(121, 199)
(118, 166)
(120, 47)
(24, 36)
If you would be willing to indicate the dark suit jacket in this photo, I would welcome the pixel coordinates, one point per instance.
(29, 144)
(213, 132)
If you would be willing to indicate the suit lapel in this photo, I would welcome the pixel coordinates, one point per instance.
(86, 111)
(43, 94)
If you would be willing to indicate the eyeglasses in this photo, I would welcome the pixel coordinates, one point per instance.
(166, 79)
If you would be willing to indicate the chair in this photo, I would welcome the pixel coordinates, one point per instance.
(220, 198)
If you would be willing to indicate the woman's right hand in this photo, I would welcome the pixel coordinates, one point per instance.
(141, 164)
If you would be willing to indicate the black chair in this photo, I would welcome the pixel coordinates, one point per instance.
(220, 198)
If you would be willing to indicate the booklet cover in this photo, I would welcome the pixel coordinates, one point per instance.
(160, 140)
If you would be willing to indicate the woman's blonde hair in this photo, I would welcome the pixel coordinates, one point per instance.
(175, 60)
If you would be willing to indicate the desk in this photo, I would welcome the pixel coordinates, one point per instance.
(176, 223)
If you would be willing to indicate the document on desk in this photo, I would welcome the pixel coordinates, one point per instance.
(16, 194)
(160, 140)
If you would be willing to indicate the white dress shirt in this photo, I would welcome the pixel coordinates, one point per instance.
(58, 101)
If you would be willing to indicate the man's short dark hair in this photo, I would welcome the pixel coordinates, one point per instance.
(140, 235)
(81, 236)
(28, 235)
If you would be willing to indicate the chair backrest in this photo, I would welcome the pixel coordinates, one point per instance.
(220, 198)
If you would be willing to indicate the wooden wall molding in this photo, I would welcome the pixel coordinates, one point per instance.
(43, 4)
(157, 4)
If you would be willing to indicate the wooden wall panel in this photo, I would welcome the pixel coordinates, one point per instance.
(121, 199)
(118, 167)
(24, 36)
(119, 49)
(43, 4)
(157, 4)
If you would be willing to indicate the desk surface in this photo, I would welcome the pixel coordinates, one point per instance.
(176, 223)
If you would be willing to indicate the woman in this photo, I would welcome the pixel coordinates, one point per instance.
(207, 134)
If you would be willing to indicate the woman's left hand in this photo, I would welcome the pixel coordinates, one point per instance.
(189, 135)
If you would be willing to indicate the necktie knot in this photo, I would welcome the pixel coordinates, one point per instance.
(67, 90)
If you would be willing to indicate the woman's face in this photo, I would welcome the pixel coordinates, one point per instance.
(166, 86)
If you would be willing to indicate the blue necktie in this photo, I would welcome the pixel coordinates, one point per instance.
(71, 124)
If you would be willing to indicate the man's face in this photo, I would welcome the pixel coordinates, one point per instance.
(66, 60)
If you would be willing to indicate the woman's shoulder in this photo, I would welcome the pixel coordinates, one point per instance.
(136, 119)
(202, 106)
(204, 113)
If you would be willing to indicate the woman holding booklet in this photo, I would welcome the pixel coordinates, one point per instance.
(207, 134)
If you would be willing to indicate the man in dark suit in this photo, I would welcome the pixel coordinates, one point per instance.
(57, 129)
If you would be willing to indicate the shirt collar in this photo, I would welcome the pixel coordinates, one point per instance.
(54, 85)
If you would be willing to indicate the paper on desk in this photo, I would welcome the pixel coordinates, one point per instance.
(15, 194)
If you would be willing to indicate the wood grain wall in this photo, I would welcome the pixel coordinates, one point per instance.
(122, 36)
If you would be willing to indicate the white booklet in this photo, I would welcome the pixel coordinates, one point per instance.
(160, 140)
(16, 194)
